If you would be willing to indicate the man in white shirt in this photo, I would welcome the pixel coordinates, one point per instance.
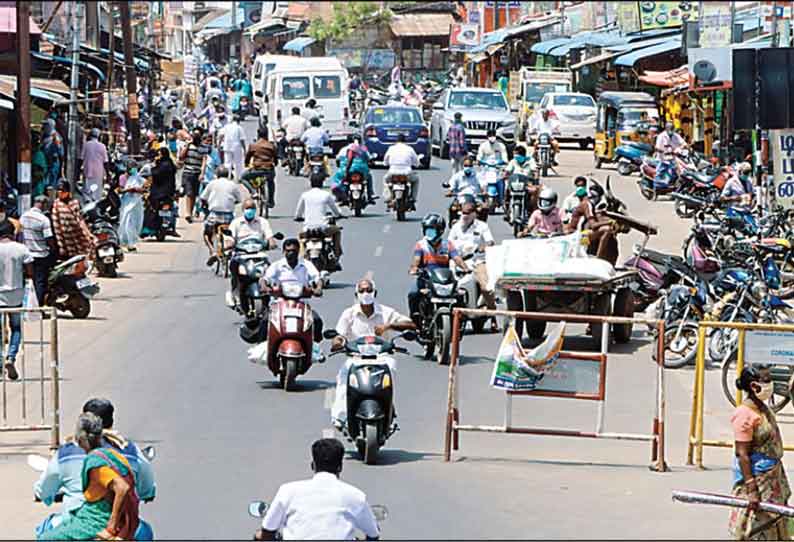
(15, 266)
(365, 318)
(401, 159)
(574, 199)
(465, 182)
(233, 137)
(313, 209)
(322, 508)
(310, 111)
(220, 197)
(38, 237)
(545, 124)
(295, 125)
(492, 148)
(668, 141)
(471, 236)
(246, 227)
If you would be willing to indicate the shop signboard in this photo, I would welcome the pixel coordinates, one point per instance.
(769, 347)
(655, 15)
(463, 37)
(627, 14)
(783, 164)
(715, 24)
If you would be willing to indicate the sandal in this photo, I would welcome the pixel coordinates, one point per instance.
(494, 326)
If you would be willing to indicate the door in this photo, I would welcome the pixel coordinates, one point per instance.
(331, 98)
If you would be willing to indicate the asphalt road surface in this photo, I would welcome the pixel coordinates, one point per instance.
(166, 350)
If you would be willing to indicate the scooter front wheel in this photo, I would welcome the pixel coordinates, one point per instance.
(371, 445)
(288, 374)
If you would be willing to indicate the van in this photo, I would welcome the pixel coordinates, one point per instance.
(263, 65)
(292, 84)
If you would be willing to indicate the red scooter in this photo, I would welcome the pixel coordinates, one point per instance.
(290, 334)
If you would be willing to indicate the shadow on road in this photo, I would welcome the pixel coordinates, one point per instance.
(301, 386)
(339, 286)
(388, 457)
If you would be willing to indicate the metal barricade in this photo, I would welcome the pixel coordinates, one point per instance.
(656, 437)
(32, 403)
(696, 420)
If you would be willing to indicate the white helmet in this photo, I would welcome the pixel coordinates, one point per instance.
(547, 200)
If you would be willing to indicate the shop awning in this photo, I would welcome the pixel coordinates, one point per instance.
(476, 58)
(421, 24)
(488, 40)
(225, 21)
(8, 22)
(670, 78)
(68, 61)
(543, 47)
(529, 27)
(595, 60)
(612, 51)
(298, 44)
(39, 88)
(597, 39)
(628, 60)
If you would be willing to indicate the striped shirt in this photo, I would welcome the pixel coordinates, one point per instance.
(434, 258)
(36, 229)
(194, 157)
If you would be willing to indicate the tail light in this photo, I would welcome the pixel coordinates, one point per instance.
(102, 236)
(371, 132)
(423, 133)
(166, 207)
(346, 113)
(552, 114)
(79, 269)
(355, 177)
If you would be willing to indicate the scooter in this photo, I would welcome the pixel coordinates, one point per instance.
(40, 463)
(290, 334)
(70, 289)
(258, 509)
(400, 187)
(295, 152)
(370, 392)
(490, 177)
(630, 156)
(319, 249)
(251, 256)
(108, 253)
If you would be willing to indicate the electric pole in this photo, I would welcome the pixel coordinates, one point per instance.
(111, 62)
(129, 65)
(234, 25)
(74, 122)
(23, 106)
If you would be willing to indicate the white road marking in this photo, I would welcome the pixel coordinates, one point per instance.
(328, 402)
(379, 251)
(386, 228)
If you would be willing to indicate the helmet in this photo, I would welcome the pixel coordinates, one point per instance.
(595, 192)
(253, 331)
(436, 222)
(547, 200)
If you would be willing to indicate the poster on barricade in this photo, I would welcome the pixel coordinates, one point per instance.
(516, 369)
(783, 166)
(769, 347)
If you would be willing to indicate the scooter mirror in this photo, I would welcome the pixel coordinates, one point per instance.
(278, 236)
(149, 453)
(257, 509)
(380, 512)
(409, 335)
(330, 334)
(445, 185)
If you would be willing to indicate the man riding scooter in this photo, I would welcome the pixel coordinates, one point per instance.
(352, 158)
(401, 159)
(547, 219)
(545, 124)
(365, 318)
(493, 149)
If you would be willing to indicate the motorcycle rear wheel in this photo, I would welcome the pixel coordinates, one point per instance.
(371, 445)
(624, 169)
(443, 338)
(79, 306)
(683, 348)
(400, 213)
(288, 375)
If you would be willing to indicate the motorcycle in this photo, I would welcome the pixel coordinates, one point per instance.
(167, 214)
(663, 181)
(370, 392)
(630, 156)
(70, 289)
(453, 213)
(354, 188)
(490, 176)
(657, 272)
(40, 464)
(522, 192)
(290, 334)
(439, 295)
(295, 157)
(258, 509)
(543, 153)
(251, 255)
(107, 248)
(400, 187)
(469, 288)
(683, 307)
(319, 249)
(317, 168)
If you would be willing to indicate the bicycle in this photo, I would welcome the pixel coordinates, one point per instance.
(222, 254)
(258, 188)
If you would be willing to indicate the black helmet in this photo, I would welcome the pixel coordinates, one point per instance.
(436, 222)
(253, 331)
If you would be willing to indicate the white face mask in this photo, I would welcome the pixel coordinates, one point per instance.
(767, 388)
(492, 139)
(366, 298)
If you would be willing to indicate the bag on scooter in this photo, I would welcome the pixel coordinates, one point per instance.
(257, 354)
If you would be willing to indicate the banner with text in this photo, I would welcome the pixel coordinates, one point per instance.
(715, 24)
(783, 164)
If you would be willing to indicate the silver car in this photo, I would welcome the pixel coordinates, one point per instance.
(576, 113)
(482, 109)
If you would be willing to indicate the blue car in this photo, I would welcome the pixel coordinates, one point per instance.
(382, 124)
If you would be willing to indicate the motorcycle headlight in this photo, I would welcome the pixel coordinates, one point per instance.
(242, 271)
(444, 289)
(353, 381)
(308, 318)
(386, 382)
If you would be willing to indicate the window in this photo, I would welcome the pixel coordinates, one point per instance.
(257, 70)
(572, 99)
(295, 88)
(384, 115)
(477, 100)
(424, 53)
(327, 86)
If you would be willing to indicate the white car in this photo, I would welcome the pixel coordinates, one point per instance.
(576, 113)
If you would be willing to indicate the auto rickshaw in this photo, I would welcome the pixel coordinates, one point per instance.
(623, 117)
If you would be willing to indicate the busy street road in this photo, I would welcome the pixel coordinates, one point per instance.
(166, 350)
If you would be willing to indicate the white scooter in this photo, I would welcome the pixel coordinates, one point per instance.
(467, 282)
(490, 175)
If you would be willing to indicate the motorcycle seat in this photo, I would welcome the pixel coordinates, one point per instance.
(644, 147)
(660, 258)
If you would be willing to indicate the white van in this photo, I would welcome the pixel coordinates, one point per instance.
(292, 84)
(263, 65)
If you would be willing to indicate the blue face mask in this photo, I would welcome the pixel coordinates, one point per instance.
(520, 159)
(249, 214)
(468, 170)
(431, 234)
(133, 172)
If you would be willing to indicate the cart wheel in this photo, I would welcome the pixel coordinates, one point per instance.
(536, 329)
(624, 306)
(600, 308)
(515, 302)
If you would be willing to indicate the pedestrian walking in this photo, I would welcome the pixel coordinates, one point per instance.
(131, 216)
(15, 266)
(456, 138)
(71, 232)
(39, 239)
(194, 158)
(233, 137)
(95, 158)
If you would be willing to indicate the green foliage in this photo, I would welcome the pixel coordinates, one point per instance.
(347, 17)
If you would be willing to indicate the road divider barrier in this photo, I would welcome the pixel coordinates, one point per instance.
(580, 362)
(32, 403)
(768, 344)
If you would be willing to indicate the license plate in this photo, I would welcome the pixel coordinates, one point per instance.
(103, 252)
(83, 283)
(292, 311)
(108, 259)
(165, 214)
(291, 325)
(316, 245)
(395, 133)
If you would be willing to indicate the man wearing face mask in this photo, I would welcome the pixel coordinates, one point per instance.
(492, 148)
(670, 139)
(739, 187)
(431, 252)
(246, 227)
(601, 228)
(465, 182)
(365, 318)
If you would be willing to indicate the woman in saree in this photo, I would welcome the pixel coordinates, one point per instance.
(758, 473)
(110, 510)
(131, 218)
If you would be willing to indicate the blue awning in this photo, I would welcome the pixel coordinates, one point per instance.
(63, 60)
(46, 95)
(543, 47)
(298, 44)
(597, 39)
(491, 38)
(628, 60)
(139, 62)
(224, 22)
